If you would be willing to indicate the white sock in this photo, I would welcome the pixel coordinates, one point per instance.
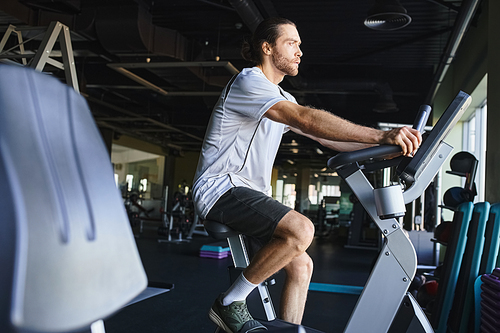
(239, 291)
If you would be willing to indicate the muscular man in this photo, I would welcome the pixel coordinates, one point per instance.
(234, 171)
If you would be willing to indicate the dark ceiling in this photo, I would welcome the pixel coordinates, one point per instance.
(184, 51)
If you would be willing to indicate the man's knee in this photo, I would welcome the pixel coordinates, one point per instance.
(305, 233)
(297, 230)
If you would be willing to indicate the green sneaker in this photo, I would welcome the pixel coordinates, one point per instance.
(234, 318)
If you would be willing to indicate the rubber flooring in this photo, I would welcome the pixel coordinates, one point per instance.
(197, 282)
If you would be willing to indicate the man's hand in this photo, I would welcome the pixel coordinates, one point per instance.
(407, 138)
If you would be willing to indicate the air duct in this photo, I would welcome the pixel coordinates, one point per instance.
(128, 30)
(248, 12)
(462, 23)
(70, 7)
(385, 103)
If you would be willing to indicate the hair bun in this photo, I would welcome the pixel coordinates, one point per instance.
(246, 51)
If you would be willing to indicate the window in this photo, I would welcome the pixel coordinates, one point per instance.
(313, 195)
(329, 191)
(129, 179)
(138, 171)
(143, 185)
(279, 190)
(289, 195)
(474, 141)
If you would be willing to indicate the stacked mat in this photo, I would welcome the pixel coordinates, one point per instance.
(490, 302)
(216, 251)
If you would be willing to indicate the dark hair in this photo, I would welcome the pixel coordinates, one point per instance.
(267, 31)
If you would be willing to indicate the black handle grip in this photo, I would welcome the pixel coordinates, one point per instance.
(378, 151)
(362, 155)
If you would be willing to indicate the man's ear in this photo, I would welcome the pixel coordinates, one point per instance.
(266, 48)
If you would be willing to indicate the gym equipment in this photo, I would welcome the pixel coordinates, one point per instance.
(360, 223)
(197, 224)
(490, 303)
(326, 218)
(462, 306)
(55, 31)
(491, 241)
(384, 303)
(426, 293)
(135, 210)
(450, 269)
(488, 260)
(463, 164)
(178, 212)
(442, 233)
(396, 265)
(67, 251)
(472, 251)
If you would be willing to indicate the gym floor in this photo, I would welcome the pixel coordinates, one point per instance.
(198, 281)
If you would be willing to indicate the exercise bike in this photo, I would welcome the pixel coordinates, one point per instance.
(384, 302)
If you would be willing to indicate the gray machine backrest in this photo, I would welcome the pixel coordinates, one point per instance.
(67, 253)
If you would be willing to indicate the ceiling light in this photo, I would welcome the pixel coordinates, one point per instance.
(387, 15)
(330, 174)
(291, 162)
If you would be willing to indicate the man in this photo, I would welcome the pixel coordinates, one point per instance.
(234, 170)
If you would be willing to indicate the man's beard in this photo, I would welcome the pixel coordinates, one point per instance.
(285, 65)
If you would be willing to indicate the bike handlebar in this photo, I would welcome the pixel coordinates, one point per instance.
(378, 151)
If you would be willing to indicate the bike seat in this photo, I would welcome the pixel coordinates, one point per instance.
(219, 230)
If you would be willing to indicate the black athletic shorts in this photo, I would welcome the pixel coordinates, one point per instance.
(249, 212)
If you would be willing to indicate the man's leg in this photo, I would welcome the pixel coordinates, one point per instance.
(294, 294)
(290, 233)
(293, 235)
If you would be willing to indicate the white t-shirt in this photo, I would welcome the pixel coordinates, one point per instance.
(240, 144)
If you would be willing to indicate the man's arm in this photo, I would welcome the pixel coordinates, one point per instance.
(322, 125)
(339, 146)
